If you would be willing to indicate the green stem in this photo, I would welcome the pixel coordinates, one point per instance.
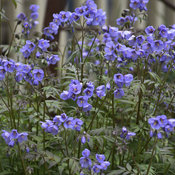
(152, 155)
(22, 160)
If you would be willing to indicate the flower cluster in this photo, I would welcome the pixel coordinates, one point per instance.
(89, 11)
(14, 137)
(125, 134)
(23, 71)
(138, 4)
(75, 89)
(161, 125)
(125, 47)
(127, 20)
(28, 23)
(99, 165)
(52, 126)
(121, 80)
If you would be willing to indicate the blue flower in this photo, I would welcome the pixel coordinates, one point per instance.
(65, 95)
(162, 119)
(22, 137)
(53, 129)
(100, 91)
(86, 153)
(154, 123)
(6, 136)
(100, 158)
(53, 27)
(38, 74)
(88, 92)
(43, 44)
(83, 139)
(34, 7)
(14, 134)
(75, 87)
(2, 73)
(119, 93)
(96, 168)
(64, 16)
(21, 16)
(104, 165)
(85, 162)
(128, 78)
(63, 117)
(77, 124)
(69, 123)
(53, 59)
(87, 108)
(9, 66)
(57, 120)
(119, 80)
(34, 15)
(82, 101)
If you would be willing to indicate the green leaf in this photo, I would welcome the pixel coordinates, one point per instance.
(14, 2)
(128, 166)
(116, 172)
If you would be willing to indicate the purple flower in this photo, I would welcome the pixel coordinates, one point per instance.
(63, 117)
(53, 27)
(129, 135)
(119, 80)
(83, 139)
(140, 39)
(162, 119)
(87, 108)
(77, 124)
(2, 73)
(88, 92)
(19, 76)
(65, 95)
(100, 91)
(159, 135)
(14, 134)
(9, 66)
(134, 4)
(38, 74)
(119, 93)
(74, 17)
(6, 136)
(53, 129)
(34, 7)
(34, 15)
(75, 87)
(90, 85)
(25, 51)
(82, 101)
(22, 137)
(108, 86)
(21, 16)
(96, 168)
(86, 153)
(57, 120)
(158, 45)
(104, 165)
(43, 44)
(64, 16)
(128, 78)
(53, 59)
(80, 10)
(154, 123)
(85, 162)
(100, 158)
(120, 21)
(69, 123)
